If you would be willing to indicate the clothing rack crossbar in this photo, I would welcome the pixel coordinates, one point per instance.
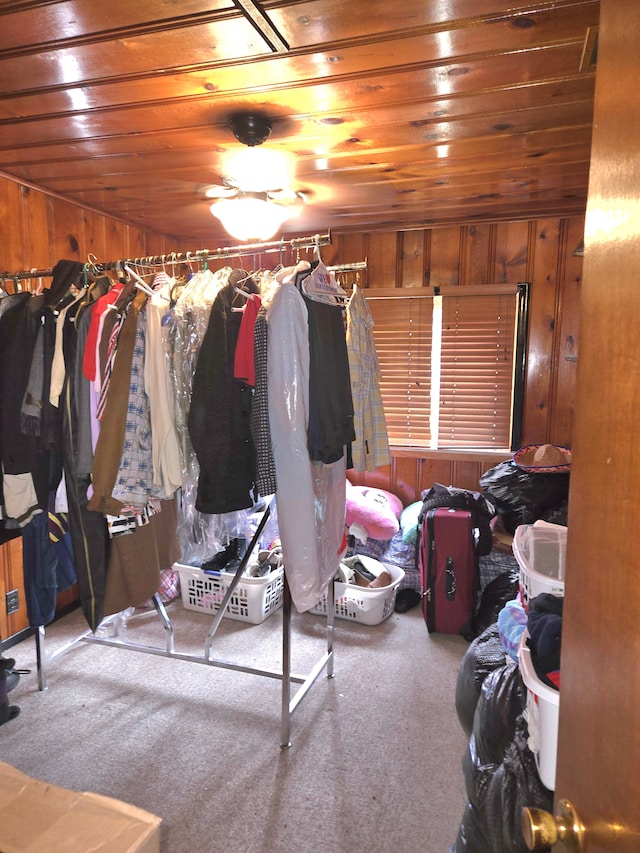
(285, 675)
(200, 255)
(354, 266)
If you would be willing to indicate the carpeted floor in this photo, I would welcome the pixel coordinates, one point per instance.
(375, 759)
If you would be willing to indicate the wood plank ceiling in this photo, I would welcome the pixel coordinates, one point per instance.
(400, 114)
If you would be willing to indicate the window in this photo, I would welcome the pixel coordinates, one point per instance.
(449, 362)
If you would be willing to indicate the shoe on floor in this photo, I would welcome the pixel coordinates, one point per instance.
(8, 712)
(13, 679)
(406, 599)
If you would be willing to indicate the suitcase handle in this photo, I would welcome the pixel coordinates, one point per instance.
(450, 585)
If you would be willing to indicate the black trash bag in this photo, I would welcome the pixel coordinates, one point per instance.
(494, 597)
(557, 514)
(475, 830)
(521, 497)
(471, 837)
(485, 654)
(502, 700)
(514, 786)
(500, 704)
(476, 775)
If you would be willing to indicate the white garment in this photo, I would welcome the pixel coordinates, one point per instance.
(20, 499)
(165, 447)
(61, 503)
(58, 366)
(310, 497)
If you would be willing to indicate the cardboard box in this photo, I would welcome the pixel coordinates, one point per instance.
(36, 817)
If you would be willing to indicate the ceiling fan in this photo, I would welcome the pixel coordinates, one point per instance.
(258, 191)
(253, 170)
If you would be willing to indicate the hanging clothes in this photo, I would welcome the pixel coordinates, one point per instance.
(89, 536)
(31, 444)
(167, 474)
(20, 451)
(20, 501)
(370, 449)
(219, 415)
(266, 480)
(28, 421)
(310, 496)
(133, 486)
(76, 333)
(137, 559)
(201, 535)
(48, 564)
(183, 333)
(108, 451)
(330, 427)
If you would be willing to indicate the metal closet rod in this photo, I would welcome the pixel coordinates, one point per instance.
(352, 267)
(308, 242)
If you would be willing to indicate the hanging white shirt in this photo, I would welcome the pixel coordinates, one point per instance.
(310, 496)
(167, 473)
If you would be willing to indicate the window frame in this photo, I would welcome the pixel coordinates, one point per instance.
(520, 330)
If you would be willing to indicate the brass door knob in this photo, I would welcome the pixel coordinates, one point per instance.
(541, 829)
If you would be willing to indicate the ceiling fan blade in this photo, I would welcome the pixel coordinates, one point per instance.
(285, 196)
(220, 191)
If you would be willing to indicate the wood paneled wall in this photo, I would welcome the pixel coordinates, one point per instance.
(37, 229)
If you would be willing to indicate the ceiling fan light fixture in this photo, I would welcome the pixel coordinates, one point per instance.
(250, 216)
(253, 169)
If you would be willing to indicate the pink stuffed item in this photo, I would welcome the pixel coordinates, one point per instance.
(372, 513)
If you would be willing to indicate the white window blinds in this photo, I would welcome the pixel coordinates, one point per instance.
(459, 345)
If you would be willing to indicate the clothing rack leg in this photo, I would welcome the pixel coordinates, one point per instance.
(289, 704)
(40, 658)
(285, 723)
(166, 622)
(331, 620)
(219, 615)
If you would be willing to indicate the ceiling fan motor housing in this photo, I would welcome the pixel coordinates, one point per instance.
(250, 129)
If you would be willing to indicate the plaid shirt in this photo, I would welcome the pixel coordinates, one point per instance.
(370, 450)
(134, 484)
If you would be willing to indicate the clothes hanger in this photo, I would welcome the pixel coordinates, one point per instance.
(244, 286)
(321, 284)
(140, 283)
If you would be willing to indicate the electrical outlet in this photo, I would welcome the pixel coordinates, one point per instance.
(13, 601)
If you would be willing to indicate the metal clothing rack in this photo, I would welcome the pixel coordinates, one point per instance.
(201, 255)
(355, 266)
(289, 703)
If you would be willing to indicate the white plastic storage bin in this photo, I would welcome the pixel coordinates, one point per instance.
(542, 711)
(540, 551)
(361, 604)
(252, 601)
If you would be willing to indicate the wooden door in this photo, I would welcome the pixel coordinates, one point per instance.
(11, 580)
(599, 732)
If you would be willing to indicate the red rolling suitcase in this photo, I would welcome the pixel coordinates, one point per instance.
(448, 570)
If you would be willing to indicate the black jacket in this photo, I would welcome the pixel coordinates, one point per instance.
(219, 416)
